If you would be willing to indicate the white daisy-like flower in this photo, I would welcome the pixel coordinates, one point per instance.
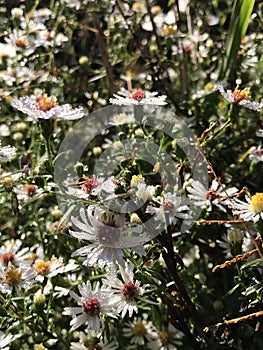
(251, 210)
(140, 331)
(126, 290)
(106, 233)
(22, 42)
(123, 118)
(257, 154)
(92, 340)
(95, 186)
(6, 340)
(44, 107)
(93, 302)
(11, 252)
(170, 208)
(52, 268)
(7, 153)
(7, 50)
(137, 97)
(16, 277)
(259, 133)
(240, 97)
(169, 338)
(217, 195)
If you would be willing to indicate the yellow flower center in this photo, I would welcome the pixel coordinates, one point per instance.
(45, 103)
(12, 277)
(169, 30)
(139, 329)
(240, 95)
(136, 180)
(256, 204)
(43, 267)
(21, 43)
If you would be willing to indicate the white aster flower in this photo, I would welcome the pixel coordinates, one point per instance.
(93, 186)
(7, 153)
(137, 97)
(93, 302)
(170, 208)
(15, 278)
(106, 233)
(11, 252)
(169, 338)
(92, 340)
(257, 154)
(51, 268)
(5, 340)
(126, 290)
(44, 107)
(6, 50)
(216, 195)
(123, 118)
(22, 42)
(259, 133)
(240, 97)
(140, 331)
(251, 210)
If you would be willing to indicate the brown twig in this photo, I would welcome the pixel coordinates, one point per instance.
(235, 320)
(239, 257)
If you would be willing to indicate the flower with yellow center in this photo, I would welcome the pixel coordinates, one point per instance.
(251, 210)
(45, 103)
(15, 278)
(43, 267)
(240, 97)
(256, 204)
(12, 277)
(140, 331)
(44, 107)
(136, 180)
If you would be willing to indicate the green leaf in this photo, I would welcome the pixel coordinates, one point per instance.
(240, 16)
(252, 263)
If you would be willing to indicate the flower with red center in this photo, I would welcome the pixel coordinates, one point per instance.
(130, 290)
(216, 195)
(11, 252)
(93, 302)
(106, 233)
(168, 208)
(92, 306)
(257, 154)
(90, 184)
(7, 258)
(137, 97)
(240, 97)
(126, 290)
